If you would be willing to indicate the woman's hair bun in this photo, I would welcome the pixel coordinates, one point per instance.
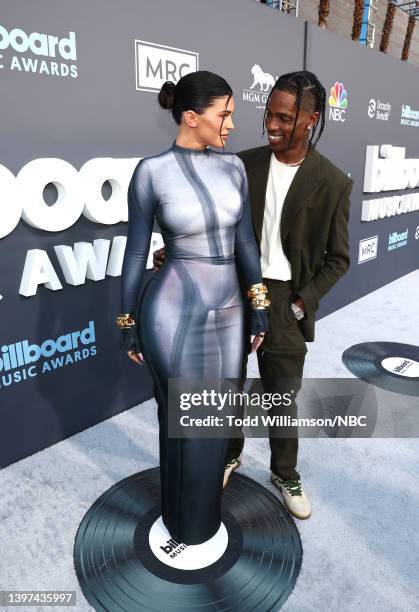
(166, 95)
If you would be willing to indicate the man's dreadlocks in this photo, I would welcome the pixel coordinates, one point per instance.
(310, 94)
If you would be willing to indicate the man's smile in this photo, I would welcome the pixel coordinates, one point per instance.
(275, 137)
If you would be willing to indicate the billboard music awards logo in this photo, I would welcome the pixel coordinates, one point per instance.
(409, 116)
(79, 195)
(338, 102)
(173, 548)
(32, 49)
(401, 366)
(396, 241)
(155, 64)
(181, 556)
(387, 169)
(379, 110)
(262, 83)
(20, 361)
(367, 249)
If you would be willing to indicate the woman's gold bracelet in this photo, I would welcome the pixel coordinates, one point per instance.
(257, 289)
(125, 321)
(257, 295)
(261, 303)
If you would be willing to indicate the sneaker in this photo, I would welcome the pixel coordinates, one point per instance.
(295, 500)
(234, 464)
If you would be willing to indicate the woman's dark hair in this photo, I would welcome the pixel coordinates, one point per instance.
(310, 95)
(194, 91)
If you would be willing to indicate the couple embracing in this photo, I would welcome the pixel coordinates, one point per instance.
(252, 243)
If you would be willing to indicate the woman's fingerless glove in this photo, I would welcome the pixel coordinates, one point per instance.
(129, 333)
(259, 322)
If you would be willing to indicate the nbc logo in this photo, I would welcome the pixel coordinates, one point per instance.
(338, 102)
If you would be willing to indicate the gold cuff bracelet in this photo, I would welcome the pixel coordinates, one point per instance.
(257, 289)
(125, 321)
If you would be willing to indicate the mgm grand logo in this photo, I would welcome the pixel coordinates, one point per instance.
(258, 91)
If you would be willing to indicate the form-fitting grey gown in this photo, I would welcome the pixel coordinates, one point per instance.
(191, 313)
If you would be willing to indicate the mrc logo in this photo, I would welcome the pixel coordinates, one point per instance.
(155, 64)
(338, 102)
(367, 249)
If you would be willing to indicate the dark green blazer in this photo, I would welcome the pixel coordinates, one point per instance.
(314, 224)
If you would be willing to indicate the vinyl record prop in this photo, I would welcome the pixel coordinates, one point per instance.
(125, 559)
(388, 365)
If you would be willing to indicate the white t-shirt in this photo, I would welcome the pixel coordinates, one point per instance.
(273, 261)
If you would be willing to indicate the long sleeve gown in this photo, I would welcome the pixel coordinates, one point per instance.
(190, 316)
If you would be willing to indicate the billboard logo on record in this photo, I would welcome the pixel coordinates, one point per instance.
(42, 46)
(338, 102)
(173, 548)
(367, 249)
(401, 366)
(262, 84)
(181, 556)
(155, 64)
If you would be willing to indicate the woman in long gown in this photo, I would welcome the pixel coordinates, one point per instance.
(190, 318)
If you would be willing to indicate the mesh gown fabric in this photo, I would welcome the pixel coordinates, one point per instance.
(190, 316)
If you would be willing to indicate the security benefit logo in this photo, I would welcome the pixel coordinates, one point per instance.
(261, 85)
(367, 249)
(25, 359)
(377, 109)
(38, 53)
(338, 102)
(155, 64)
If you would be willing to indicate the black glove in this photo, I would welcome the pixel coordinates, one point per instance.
(259, 321)
(130, 340)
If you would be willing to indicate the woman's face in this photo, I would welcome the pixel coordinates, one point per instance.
(213, 126)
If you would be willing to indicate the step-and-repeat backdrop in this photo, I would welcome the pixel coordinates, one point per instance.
(372, 133)
(78, 85)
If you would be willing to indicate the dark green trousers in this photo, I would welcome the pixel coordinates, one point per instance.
(281, 362)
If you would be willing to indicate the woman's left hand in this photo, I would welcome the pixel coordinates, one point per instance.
(256, 341)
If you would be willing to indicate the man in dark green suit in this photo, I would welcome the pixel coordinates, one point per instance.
(300, 205)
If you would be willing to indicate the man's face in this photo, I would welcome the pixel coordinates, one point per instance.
(279, 122)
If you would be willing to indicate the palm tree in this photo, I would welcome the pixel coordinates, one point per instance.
(408, 38)
(358, 17)
(324, 7)
(388, 25)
